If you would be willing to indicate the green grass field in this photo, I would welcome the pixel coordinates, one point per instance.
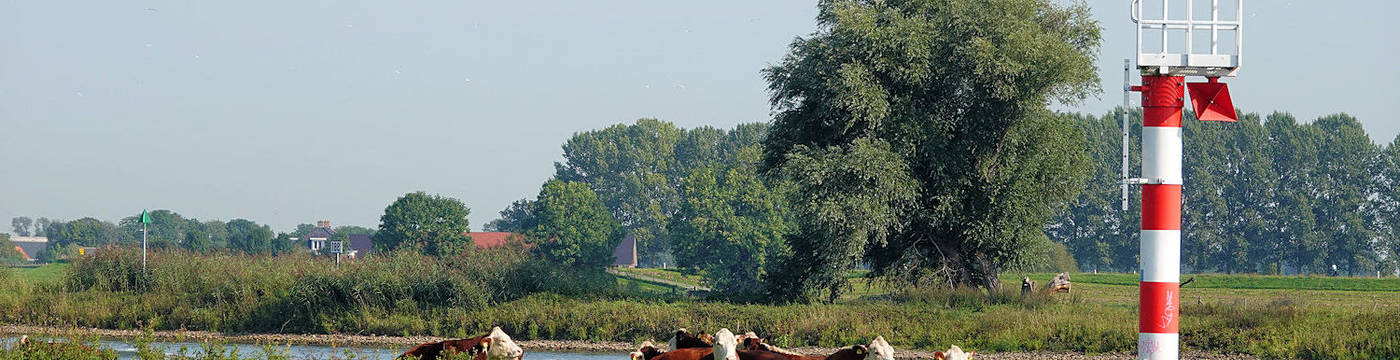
(674, 275)
(42, 273)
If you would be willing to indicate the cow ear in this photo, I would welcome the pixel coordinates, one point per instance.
(861, 349)
(938, 355)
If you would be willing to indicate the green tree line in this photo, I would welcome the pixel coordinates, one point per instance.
(1268, 194)
(167, 230)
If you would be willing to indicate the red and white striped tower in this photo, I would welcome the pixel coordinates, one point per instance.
(1163, 78)
(1158, 301)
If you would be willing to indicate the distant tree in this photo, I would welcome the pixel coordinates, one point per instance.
(283, 244)
(731, 225)
(573, 228)
(435, 224)
(627, 166)
(41, 226)
(217, 232)
(635, 170)
(343, 232)
(166, 230)
(22, 225)
(1389, 204)
(8, 254)
(1228, 169)
(250, 237)
(86, 232)
(518, 217)
(1095, 229)
(1347, 160)
(955, 95)
(197, 241)
(302, 229)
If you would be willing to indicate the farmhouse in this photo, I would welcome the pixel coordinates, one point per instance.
(319, 236)
(318, 240)
(30, 246)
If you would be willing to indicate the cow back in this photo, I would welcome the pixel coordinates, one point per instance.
(687, 354)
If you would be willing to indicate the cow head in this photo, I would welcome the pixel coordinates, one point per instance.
(676, 337)
(640, 353)
(725, 345)
(953, 353)
(879, 349)
(502, 347)
(752, 342)
(645, 352)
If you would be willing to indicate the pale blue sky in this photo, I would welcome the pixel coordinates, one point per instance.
(287, 112)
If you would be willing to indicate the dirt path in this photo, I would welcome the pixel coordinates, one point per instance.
(658, 280)
(529, 345)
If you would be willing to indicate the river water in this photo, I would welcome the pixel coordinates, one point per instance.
(247, 351)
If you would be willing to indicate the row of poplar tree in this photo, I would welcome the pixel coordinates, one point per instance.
(1269, 194)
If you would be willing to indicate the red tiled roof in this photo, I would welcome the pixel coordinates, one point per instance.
(23, 254)
(490, 239)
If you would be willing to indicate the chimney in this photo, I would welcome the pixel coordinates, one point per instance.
(323, 224)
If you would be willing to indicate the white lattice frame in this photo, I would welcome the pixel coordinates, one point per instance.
(1214, 63)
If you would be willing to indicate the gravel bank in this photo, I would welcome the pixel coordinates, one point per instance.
(529, 345)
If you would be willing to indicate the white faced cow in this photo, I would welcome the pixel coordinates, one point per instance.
(953, 353)
(879, 349)
(502, 347)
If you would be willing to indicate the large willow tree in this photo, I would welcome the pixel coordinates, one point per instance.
(918, 136)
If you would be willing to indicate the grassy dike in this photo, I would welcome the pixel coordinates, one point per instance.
(406, 295)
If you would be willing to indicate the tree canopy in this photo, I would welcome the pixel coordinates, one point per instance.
(954, 95)
(22, 225)
(731, 225)
(436, 224)
(572, 227)
(1267, 194)
(252, 238)
(636, 170)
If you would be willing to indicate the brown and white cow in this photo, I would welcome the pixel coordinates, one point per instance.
(881, 350)
(953, 353)
(646, 352)
(726, 348)
(495, 345)
(687, 354)
(681, 339)
(751, 342)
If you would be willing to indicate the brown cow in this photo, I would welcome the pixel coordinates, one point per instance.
(646, 352)
(495, 345)
(475, 348)
(726, 344)
(684, 340)
(687, 354)
(751, 342)
(855, 352)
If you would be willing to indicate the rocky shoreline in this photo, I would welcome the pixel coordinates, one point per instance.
(403, 342)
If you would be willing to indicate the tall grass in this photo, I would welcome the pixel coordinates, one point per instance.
(228, 292)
